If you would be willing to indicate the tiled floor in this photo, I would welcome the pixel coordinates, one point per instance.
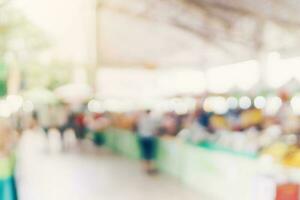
(92, 176)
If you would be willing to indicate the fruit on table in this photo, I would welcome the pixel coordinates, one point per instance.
(277, 150)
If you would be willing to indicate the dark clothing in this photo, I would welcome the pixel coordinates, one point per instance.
(80, 128)
(99, 138)
(204, 119)
(148, 147)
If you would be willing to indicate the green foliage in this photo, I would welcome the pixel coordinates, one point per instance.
(3, 79)
(57, 74)
(21, 44)
(18, 35)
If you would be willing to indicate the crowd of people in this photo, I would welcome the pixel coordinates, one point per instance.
(252, 130)
(249, 130)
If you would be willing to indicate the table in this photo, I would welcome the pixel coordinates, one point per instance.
(219, 173)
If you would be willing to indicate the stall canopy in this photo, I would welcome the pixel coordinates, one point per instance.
(40, 96)
(74, 93)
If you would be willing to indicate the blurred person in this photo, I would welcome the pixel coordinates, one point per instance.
(33, 145)
(97, 123)
(65, 124)
(33, 140)
(147, 128)
(59, 126)
(44, 117)
(234, 119)
(16, 121)
(47, 117)
(192, 130)
(55, 141)
(80, 125)
(69, 122)
(285, 115)
(170, 124)
(66, 118)
(8, 139)
(69, 140)
(203, 118)
(70, 125)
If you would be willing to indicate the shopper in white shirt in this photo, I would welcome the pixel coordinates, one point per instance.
(147, 128)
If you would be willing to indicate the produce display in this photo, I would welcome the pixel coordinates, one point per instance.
(257, 126)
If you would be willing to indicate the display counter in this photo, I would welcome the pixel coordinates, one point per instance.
(7, 183)
(218, 173)
(122, 142)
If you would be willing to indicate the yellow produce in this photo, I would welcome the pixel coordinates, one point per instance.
(292, 157)
(277, 150)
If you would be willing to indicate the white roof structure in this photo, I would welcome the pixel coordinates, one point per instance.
(174, 34)
(195, 32)
(199, 33)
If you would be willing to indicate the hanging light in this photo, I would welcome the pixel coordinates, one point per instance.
(259, 102)
(232, 102)
(245, 102)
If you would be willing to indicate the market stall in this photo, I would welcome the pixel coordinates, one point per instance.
(219, 173)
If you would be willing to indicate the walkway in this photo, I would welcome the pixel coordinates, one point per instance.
(93, 176)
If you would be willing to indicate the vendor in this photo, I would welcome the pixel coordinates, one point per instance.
(204, 118)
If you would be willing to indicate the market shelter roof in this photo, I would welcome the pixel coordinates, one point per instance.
(195, 32)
